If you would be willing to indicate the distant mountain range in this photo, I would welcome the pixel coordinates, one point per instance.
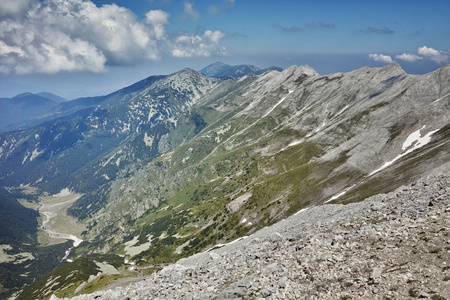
(174, 164)
(28, 110)
(224, 71)
(25, 107)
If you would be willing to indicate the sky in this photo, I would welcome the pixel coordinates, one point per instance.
(79, 48)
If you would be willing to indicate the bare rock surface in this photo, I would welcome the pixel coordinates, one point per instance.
(390, 246)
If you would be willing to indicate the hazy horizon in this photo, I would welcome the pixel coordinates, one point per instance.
(76, 48)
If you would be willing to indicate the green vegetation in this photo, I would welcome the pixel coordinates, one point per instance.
(17, 223)
(45, 260)
(68, 277)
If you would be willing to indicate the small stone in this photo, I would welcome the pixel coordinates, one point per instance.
(376, 272)
(282, 283)
(265, 293)
(215, 256)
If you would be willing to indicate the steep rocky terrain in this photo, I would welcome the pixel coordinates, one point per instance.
(174, 165)
(390, 246)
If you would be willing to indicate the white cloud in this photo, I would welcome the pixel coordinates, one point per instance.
(427, 51)
(190, 12)
(5, 50)
(75, 35)
(14, 8)
(435, 55)
(408, 57)
(214, 36)
(381, 58)
(158, 19)
(196, 45)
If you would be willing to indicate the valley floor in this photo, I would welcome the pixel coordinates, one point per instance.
(390, 246)
(57, 225)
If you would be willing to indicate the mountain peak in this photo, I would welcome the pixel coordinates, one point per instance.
(187, 71)
(303, 69)
(214, 68)
(393, 67)
(26, 94)
(306, 69)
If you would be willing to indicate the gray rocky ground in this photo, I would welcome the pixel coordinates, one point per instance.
(390, 246)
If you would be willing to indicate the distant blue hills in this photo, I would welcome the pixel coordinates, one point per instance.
(224, 71)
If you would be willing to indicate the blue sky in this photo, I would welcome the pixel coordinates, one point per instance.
(80, 48)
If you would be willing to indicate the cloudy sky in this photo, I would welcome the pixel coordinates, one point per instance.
(80, 48)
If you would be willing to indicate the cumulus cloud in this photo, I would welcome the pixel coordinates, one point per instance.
(196, 45)
(378, 30)
(381, 58)
(433, 54)
(75, 35)
(158, 19)
(408, 57)
(14, 8)
(189, 12)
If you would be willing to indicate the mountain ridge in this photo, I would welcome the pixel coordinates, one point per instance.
(224, 71)
(195, 161)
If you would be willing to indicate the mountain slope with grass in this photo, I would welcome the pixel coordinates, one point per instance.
(213, 160)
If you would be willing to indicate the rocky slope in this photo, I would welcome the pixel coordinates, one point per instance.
(172, 166)
(58, 154)
(271, 145)
(390, 246)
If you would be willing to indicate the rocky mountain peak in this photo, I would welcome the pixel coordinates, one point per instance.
(392, 69)
(301, 70)
(214, 68)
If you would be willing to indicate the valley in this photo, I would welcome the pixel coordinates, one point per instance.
(180, 164)
(56, 223)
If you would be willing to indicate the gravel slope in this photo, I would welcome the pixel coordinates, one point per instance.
(390, 246)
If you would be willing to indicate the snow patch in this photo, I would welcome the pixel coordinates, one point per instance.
(230, 243)
(341, 111)
(292, 144)
(302, 210)
(25, 158)
(413, 142)
(437, 100)
(276, 105)
(64, 192)
(35, 154)
(132, 250)
(340, 194)
(148, 140)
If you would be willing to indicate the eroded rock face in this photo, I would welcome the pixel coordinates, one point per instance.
(390, 246)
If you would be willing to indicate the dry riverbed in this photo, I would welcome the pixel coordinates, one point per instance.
(56, 223)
